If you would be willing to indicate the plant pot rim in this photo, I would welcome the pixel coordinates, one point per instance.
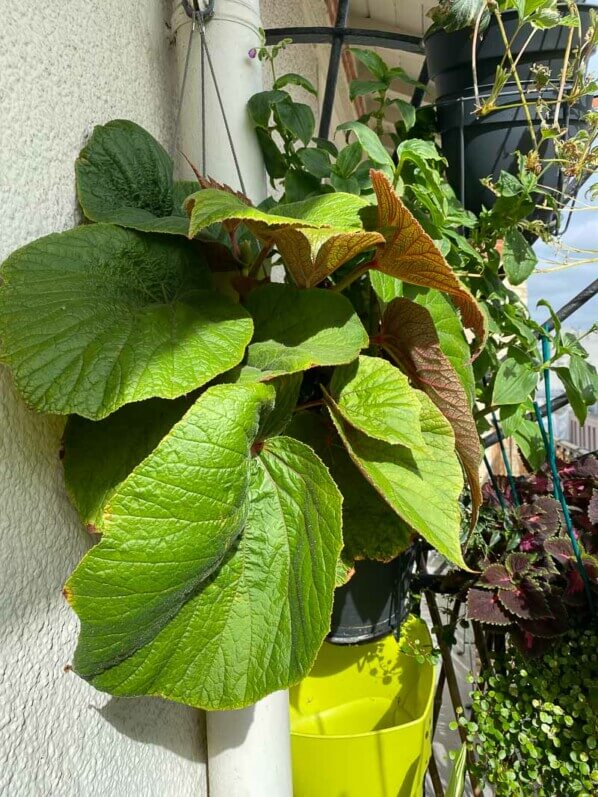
(434, 30)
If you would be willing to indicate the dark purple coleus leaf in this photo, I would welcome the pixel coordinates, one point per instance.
(483, 606)
(518, 564)
(542, 518)
(548, 627)
(497, 576)
(527, 602)
(561, 549)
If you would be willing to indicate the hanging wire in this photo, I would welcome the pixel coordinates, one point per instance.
(549, 443)
(198, 19)
(203, 108)
(201, 17)
(183, 86)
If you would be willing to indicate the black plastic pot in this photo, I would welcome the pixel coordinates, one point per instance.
(374, 602)
(478, 147)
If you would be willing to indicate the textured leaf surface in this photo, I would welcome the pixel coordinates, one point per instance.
(207, 615)
(312, 255)
(450, 333)
(410, 255)
(375, 397)
(124, 176)
(299, 329)
(446, 320)
(314, 237)
(330, 210)
(99, 316)
(409, 335)
(99, 455)
(422, 488)
(371, 529)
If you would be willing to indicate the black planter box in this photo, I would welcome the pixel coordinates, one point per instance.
(374, 602)
(478, 147)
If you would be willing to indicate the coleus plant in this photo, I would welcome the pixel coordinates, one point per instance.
(228, 437)
(530, 582)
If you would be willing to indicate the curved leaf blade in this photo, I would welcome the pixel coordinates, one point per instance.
(100, 316)
(422, 488)
(166, 528)
(410, 255)
(408, 334)
(124, 177)
(257, 623)
(299, 329)
(375, 397)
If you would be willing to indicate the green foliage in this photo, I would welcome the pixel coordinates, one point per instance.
(124, 176)
(100, 316)
(181, 366)
(534, 726)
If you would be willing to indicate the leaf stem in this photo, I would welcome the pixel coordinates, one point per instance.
(309, 404)
(516, 77)
(257, 263)
(354, 275)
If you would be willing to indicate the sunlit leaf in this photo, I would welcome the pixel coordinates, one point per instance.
(410, 255)
(422, 487)
(100, 316)
(218, 589)
(408, 334)
(299, 329)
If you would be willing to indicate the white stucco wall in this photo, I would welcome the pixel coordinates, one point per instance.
(65, 66)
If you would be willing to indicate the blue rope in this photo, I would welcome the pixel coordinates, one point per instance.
(557, 486)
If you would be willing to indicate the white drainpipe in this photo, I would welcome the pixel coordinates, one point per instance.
(248, 749)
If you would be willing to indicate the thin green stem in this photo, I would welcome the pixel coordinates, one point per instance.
(259, 260)
(516, 77)
(351, 277)
(557, 109)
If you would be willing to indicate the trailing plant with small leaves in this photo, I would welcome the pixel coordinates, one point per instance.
(228, 437)
(534, 725)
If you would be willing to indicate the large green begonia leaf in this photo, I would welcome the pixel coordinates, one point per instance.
(99, 455)
(371, 529)
(124, 176)
(375, 397)
(99, 316)
(300, 329)
(212, 584)
(422, 487)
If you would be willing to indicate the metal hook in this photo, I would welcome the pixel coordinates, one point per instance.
(193, 10)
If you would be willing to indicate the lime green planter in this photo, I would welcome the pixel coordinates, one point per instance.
(361, 721)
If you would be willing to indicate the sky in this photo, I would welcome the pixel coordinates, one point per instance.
(560, 286)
